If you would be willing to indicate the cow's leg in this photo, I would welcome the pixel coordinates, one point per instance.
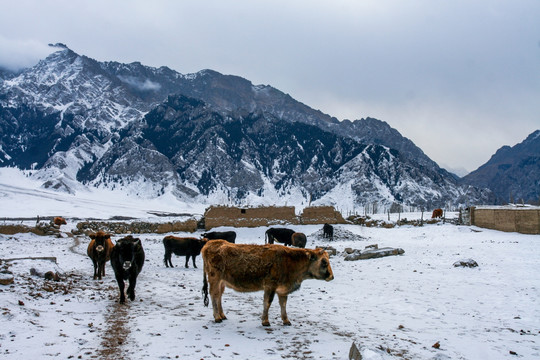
(220, 308)
(100, 269)
(193, 257)
(167, 258)
(121, 287)
(283, 304)
(95, 268)
(216, 290)
(132, 283)
(268, 298)
(187, 261)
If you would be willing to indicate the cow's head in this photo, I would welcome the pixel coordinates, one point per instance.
(127, 248)
(100, 240)
(200, 244)
(319, 265)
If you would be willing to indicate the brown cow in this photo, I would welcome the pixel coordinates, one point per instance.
(272, 268)
(437, 213)
(299, 240)
(57, 221)
(99, 250)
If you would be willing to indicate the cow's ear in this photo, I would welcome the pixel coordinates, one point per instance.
(92, 236)
(311, 256)
(137, 242)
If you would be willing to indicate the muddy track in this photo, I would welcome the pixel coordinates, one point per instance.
(115, 334)
(116, 319)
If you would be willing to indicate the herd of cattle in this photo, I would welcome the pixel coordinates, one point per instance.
(273, 268)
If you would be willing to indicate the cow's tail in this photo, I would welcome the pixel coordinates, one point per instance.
(266, 237)
(205, 288)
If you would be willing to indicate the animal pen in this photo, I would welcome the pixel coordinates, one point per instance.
(215, 216)
(521, 219)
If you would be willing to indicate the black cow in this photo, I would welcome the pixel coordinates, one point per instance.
(187, 246)
(281, 235)
(127, 260)
(328, 231)
(229, 236)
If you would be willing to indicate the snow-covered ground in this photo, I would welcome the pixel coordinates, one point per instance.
(391, 307)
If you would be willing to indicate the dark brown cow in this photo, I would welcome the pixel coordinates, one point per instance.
(99, 250)
(188, 246)
(437, 213)
(299, 240)
(248, 268)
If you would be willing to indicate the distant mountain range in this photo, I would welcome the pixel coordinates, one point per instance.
(512, 173)
(207, 138)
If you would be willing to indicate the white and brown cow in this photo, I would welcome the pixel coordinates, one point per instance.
(275, 269)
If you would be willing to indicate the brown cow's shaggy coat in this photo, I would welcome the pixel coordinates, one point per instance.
(275, 269)
(99, 250)
(58, 221)
(437, 213)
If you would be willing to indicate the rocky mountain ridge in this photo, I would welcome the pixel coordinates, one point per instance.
(512, 173)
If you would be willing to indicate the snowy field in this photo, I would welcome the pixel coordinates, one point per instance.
(395, 307)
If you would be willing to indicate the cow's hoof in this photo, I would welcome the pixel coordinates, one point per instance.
(287, 323)
(266, 323)
(218, 320)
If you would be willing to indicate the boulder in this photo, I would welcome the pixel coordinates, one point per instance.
(329, 249)
(6, 278)
(466, 263)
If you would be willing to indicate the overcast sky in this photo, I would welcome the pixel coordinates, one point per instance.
(459, 78)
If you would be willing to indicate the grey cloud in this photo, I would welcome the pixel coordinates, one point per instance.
(140, 84)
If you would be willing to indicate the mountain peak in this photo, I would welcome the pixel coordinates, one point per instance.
(534, 136)
(512, 172)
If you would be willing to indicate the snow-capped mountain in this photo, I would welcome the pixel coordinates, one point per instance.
(512, 173)
(204, 137)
